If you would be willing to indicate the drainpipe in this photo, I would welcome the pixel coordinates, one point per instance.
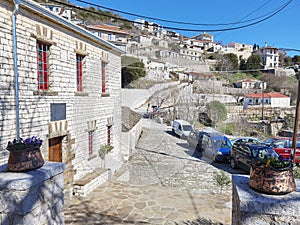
(14, 31)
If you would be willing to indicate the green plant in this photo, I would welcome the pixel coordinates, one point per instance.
(104, 149)
(296, 172)
(221, 179)
(271, 159)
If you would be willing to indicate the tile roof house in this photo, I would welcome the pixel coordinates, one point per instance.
(110, 33)
(272, 99)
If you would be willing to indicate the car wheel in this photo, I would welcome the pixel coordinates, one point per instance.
(233, 163)
(215, 160)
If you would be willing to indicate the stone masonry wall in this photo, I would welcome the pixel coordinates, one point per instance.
(32, 197)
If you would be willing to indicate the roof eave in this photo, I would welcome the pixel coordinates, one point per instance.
(46, 13)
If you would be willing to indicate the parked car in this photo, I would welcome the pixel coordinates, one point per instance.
(242, 154)
(214, 145)
(182, 128)
(245, 139)
(284, 147)
(270, 141)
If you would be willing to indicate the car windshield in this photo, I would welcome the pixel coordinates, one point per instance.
(187, 127)
(218, 143)
(286, 144)
(267, 151)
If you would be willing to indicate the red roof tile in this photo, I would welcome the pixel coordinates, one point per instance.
(107, 28)
(266, 95)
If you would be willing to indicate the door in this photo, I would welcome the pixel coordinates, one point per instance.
(55, 149)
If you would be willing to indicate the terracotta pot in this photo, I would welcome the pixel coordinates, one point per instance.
(25, 159)
(272, 180)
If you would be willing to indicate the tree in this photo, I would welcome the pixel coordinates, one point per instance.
(217, 111)
(132, 69)
(296, 59)
(254, 63)
(227, 62)
(243, 64)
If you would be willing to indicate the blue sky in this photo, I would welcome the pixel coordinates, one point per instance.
(281, 30)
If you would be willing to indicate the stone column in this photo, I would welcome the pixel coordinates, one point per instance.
(32, 197)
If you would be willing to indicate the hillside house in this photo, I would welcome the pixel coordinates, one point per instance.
(269, 55)
(242, 51)
(112, 34)
(192, 76)
(250, 84)
(204, 37)
(145, 25)
(272, 99)
(69, 89)
(62, 11)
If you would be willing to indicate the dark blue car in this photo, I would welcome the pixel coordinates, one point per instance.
(214, 145)
(242, 154)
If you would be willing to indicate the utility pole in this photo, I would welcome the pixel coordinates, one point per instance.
(263, 99)
(296, 123)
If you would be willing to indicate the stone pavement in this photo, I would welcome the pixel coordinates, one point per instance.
(165, 182)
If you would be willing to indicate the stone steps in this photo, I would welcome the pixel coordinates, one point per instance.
(90, 182)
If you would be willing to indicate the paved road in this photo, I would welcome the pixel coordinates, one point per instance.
(167, 184)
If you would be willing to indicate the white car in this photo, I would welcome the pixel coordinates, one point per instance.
(245, 139)
(182, 128)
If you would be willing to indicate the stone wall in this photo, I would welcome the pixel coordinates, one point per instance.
(130, 139)
(250, 207)
(32, 197)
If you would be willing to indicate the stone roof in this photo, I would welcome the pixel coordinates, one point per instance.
(129, 119)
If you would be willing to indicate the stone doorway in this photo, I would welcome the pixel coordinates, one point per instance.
(55, 149)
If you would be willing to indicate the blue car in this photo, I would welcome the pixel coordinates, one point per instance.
(214, 145)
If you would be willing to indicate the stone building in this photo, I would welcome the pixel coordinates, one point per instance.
(69, 89)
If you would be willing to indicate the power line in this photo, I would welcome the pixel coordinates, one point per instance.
(179, 22)
(181, 29)
(248, 15)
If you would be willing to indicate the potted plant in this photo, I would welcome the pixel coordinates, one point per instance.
(104, 149)
(272, 174)
(24, 154)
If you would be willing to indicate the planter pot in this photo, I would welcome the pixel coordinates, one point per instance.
(25, 159)
(271, 180)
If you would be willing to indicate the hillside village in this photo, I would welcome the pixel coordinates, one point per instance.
(62, 82)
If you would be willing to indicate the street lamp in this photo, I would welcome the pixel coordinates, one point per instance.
(296, 123)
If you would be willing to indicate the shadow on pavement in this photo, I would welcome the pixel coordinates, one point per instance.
(170, 132)
(220, 165)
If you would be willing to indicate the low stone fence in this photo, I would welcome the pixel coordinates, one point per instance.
(250, 207)
(130, 139)
(134, 98)
(32, 197)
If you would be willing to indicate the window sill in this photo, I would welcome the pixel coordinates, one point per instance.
(81, 94)
(92, 156)
(105, 94)
(45, 93)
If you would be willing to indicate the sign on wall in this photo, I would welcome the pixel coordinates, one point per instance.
(58, 111)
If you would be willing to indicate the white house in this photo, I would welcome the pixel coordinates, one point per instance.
(63, 11)
(272, 99)
(243, 51)
(69, 89)
(110, 33)
(250, 84)
(269, 55)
